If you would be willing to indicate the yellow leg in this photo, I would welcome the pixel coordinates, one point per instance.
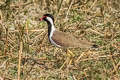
(68, 51)
(66, 61)
(70, 62)
(79, 57)
(69, 59)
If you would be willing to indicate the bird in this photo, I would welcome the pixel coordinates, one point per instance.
(62, 39)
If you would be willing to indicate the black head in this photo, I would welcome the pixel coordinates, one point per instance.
(47, 15)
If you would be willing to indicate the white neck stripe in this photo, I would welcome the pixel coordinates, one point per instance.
(52, 31)
(52, 24)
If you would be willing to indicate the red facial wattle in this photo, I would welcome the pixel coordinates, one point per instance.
(42, 18)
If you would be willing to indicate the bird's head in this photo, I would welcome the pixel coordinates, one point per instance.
(48, 18)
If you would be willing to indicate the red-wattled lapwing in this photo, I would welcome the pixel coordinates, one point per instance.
(62, 39)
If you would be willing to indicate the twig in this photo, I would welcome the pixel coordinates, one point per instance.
(59, 9)
(69, 9)
(35, 30)
(29, 71)
(19, 64)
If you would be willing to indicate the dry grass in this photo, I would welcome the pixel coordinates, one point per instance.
(26, 54)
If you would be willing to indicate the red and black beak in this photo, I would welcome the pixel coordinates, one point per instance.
(42, 18)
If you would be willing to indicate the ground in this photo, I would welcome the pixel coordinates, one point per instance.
(26, 53)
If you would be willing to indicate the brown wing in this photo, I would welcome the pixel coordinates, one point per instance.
(67, 40)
